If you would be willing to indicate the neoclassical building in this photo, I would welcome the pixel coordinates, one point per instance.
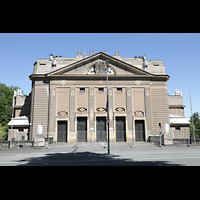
(69, 96)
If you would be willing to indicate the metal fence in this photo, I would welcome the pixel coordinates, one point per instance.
(4, 144)
(99, 138)
(19, 139)
(195, 137)
(91, 137)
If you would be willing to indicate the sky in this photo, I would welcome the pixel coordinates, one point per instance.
(180, 52)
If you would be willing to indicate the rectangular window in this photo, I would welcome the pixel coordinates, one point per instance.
(21, 130)
(82, 90)
(119, 89)
(101, 89)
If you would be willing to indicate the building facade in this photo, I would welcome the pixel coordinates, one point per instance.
(69, 97)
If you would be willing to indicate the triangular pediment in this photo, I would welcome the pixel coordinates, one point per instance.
(96, 65)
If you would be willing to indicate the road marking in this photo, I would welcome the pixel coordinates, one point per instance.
(13, 162)
(165, 158)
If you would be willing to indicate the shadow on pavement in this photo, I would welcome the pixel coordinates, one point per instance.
(87, 159)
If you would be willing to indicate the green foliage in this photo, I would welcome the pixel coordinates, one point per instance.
(196, 119)
(3, 132)
(6, 98)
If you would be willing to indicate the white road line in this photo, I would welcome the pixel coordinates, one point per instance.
(166, 158)
(13, 162)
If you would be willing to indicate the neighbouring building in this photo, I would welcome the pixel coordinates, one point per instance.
(68, 99)
(179, 125)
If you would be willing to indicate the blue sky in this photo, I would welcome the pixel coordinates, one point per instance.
(180, 52)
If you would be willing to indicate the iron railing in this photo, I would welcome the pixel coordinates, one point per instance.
(174, 137)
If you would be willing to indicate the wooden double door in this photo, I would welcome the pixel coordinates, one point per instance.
(82, 129)
(101, 129)
(120, 129)
(139, 130)
(61, 131)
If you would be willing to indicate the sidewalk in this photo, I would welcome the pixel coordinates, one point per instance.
(99, 144)
(121, 154)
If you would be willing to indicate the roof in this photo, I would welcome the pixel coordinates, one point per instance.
(95, 57)
(65, 71)
(19, 121)
(175, 119)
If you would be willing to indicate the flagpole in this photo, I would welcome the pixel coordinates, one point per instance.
(107, 107)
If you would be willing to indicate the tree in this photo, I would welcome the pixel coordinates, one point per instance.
(6, 99)
(196, 120)
(3, 132)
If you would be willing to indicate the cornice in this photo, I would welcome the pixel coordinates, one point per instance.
(110, 77)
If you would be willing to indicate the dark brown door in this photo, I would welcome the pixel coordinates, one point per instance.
(82, 129)
(139, 130)
(101, 129)
(120, 129)
(62, 131)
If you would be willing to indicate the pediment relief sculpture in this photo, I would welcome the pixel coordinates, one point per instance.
(100, 68)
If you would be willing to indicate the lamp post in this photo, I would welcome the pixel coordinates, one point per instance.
(160, 145)
(14, 95)
(192, 119)
(107, 107)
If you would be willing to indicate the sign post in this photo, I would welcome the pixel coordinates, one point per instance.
(160, 145)
(107, 107)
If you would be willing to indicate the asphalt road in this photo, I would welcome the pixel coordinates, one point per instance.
(95, 155)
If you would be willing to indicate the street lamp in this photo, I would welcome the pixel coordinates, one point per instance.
(14, 95)
(107, 107)
(192, 119)
(160, 145)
